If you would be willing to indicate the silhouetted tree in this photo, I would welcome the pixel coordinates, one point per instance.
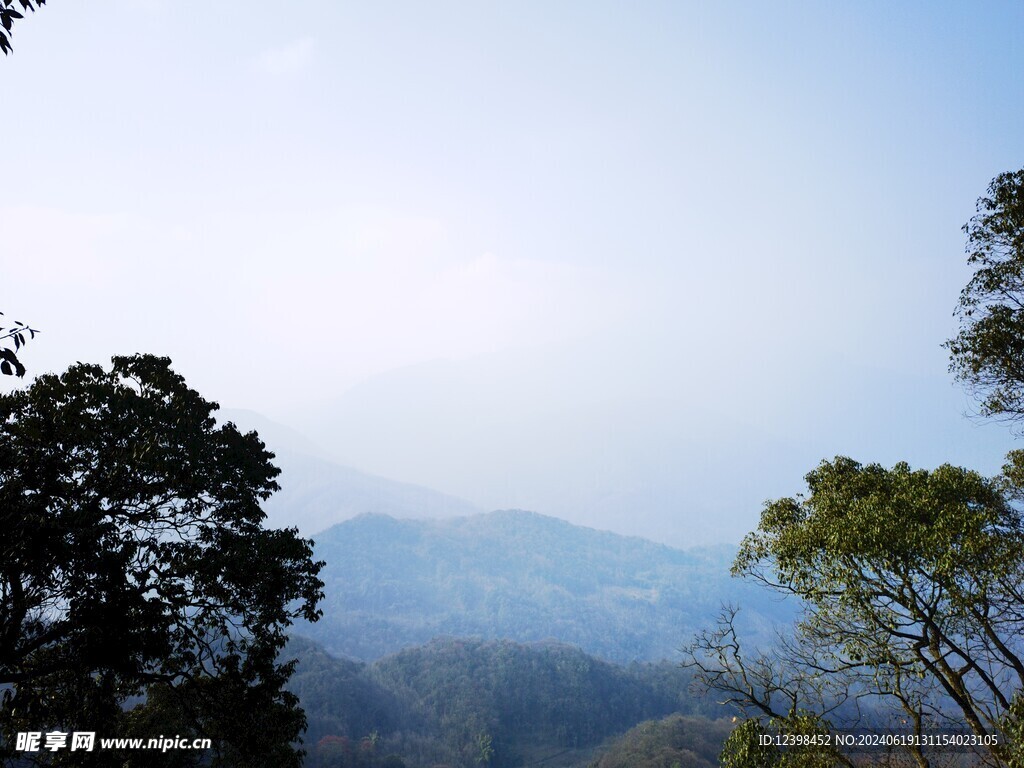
(133, 554)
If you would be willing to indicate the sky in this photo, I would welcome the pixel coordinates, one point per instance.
(641, 266)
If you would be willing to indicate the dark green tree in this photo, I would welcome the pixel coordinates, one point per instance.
(133, 556)
(8, 13)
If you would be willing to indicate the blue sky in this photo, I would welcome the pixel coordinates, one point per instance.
(721, 241)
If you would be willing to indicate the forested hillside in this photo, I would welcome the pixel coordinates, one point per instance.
(391, 584)
(471, 702)
(676, 741)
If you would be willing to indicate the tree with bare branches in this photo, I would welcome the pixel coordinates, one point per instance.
(911, 581)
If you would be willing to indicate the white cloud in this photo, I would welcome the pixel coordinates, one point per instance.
(289, 59)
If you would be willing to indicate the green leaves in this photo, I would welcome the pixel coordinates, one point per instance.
(912, 580)
(755, 744)
(860, 520)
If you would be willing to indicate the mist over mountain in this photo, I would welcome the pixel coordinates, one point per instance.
(317, 492)
(391, 584)
(640, 442)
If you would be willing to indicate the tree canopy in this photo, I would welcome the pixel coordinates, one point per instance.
(988, 353)
(133, 556)
(912, 584)
(911, 581)
(908, 576)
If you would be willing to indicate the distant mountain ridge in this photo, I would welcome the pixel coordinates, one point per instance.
(392, 584)
(317, 492)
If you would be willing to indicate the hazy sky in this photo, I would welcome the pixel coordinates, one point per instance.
(640, 265)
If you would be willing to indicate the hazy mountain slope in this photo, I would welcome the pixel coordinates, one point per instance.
(339, 696)
(277, 436)
(522, 576)
(317, 493)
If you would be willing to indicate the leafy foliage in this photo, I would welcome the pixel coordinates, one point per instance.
(8, 13)
(744, 748)
(1013, 728)
(912, 583)
(133, 555)
(9, 362)
(988, 353)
